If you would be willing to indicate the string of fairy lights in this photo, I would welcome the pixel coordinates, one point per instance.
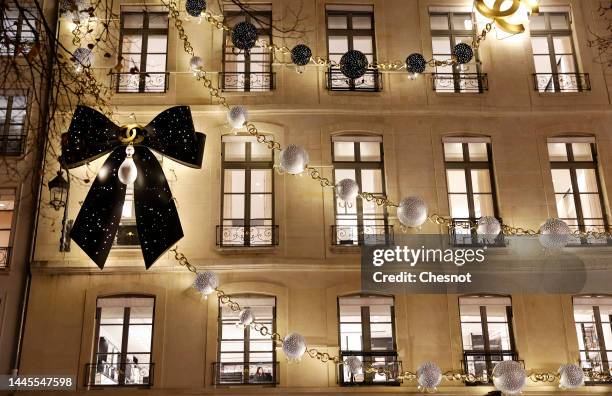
(508, 376)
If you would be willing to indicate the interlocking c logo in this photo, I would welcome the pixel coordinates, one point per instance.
(131, 134)
(499, 16)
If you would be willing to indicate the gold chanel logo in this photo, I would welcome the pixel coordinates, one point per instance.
(130, 134)
(499, 16)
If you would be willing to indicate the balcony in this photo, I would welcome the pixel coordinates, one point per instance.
(360, 235)
(5, 257)
(598, 372)
(140, 82)
(119, 374)
(246, 373)
(561, 82)
(460, 82)
(463, 233)
(247, 236)
(247, 82)
(480, 364)
(588, 241)
(12, 145)
(385, 362)
(369, 82)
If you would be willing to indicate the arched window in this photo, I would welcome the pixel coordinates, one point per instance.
(487, 333)
(245, 356)
(123, 341)
(367, 330)
(593, 319)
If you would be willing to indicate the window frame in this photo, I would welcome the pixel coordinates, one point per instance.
(5, 128)
(20, 20)
(11, 230)
(573, 165)
(598, 324)
(124, 340)
(228, 50)
(248, 165)
(144, 32)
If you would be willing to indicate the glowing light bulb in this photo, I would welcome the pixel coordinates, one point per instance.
(128, 171)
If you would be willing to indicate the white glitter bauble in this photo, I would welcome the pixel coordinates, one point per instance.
(206, 282)
(429, 376)
(412, 212)
(293, 159)
(195, 63)
(294, 346)
(237, 116)
(246, 317)
(489, 228)
(509, 377)
(571, 376)
(354, 365)
(347, 190)
(554, 234)
(83, 57)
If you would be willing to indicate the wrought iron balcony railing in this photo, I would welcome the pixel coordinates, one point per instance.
(12, 145)
(598, 370)
(5, 257)
(480, 364)
(360, 235)
(371, 81)
(463, 233)
(246, 373)
(247, 82)
(251, 236)
(588, 241)
(140, 82)
(562, 82)
(390, 367)
(119, 374)
(460, 82)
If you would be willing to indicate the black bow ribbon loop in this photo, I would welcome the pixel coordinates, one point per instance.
(92, 135)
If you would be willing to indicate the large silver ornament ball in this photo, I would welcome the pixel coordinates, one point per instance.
(488, 227)
(554, 234)
(429, 376)
(354, 365)
(206, 282)
(246, 317)
(347, 190)
(237, 116)
(294, 346)
(83, 57)
(195, 63)
(509, 377)
(571, 376)
(412, 212)
(293, 159)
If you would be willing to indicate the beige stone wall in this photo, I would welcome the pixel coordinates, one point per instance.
(304, 272)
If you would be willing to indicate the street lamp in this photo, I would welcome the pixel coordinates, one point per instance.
(58, 190)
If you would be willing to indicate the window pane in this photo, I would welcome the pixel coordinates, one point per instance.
(261, 206)
(565, 64)
(132, 44)
(157, 44)
(113, 315)
(141, 315)
(441, 45)
(483, 205)
(371, 180)
(362, 22)
(344, 151)
(562, 181)
(456, 180)
(462, 22)
(499, 338)
(369, 151)
(557, 151)
(559, 21)
(566, 208)
(481, 181)
(260, 152)
(363, 44)
(587, 180)
(542, 66)
(537, 22)
(337, 22)
(233, 207)
(234, 181)
(261, 180)
(453, 151)
(459, 206)
(438, 22)
(563, 45)
(338, 44)
(133, 21)
(139, 338)
(382, 336)
(582, 152)
(158, 21)
(472, 336)
(539, 45)
(234, 151)
(478, 151)
(591, 206)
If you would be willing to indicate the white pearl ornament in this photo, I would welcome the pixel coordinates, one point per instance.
(412, 212)
(509, 377)
(489, 228)
(347, 190)
(127, 171)
(554, 234)
(429, 376)
(237, 116)
(294, 346)
(354, 365)
(206, 282)
(195, 63)
(246, 317)
(571, 376)
(293, 159)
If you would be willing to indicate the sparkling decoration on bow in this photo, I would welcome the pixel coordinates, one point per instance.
(92, 135)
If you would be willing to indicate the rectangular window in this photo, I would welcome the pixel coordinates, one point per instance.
(447, 30)
(12, 124)
(554, 57)
(247, 210)
(367, 331)
(576, 181)
(124, 335)
(143, 50)
(19, 28)
(246, 356)
(486, 330)
(7, 213)
(360, 222)
(470, 184)
(248, 71)
(593, 318)
(347, 30)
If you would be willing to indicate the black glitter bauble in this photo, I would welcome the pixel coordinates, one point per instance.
(300, 55)
(244, 36)
(354, 64)
(463, 52)
(195, 8)
(416, 63)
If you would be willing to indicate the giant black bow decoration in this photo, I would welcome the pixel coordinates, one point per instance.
(92, 135)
